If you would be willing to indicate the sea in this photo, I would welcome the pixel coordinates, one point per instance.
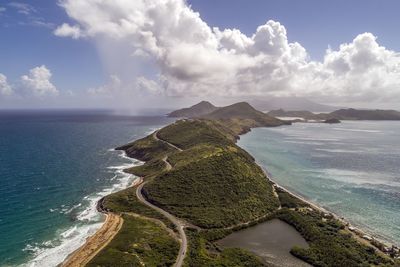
(54, 166)
(351, 169)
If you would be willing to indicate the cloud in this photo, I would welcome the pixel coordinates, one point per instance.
(23, 8)
(66, 30)
(141, 86)
(5, 88)
(193, 59)
(2, 9)
(38, 83)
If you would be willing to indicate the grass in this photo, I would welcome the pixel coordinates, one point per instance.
(125, 201)
(138, 242)
(188, 133)
(217, 191)
(146, 149)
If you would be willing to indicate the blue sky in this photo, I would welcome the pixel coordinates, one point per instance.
(28, 41)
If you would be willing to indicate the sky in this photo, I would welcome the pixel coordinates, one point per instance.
(121, 53)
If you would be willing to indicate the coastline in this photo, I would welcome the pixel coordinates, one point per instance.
(363, 236)
(275, 184)
(103, 236)
(89, 220)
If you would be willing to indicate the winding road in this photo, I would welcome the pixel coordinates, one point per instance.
(179, 225)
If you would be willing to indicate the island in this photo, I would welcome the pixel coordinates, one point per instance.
(197, 187)
(341, 114)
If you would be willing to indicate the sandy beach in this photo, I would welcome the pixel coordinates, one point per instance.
(99, 240)
(95, 243)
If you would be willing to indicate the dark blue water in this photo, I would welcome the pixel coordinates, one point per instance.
(53, 169)
(352, 168)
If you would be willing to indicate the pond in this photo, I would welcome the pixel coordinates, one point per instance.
(271, 240)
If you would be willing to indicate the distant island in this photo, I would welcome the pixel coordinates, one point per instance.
(341, 114)
(197, 186)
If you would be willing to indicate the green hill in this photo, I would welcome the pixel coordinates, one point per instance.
(244, 111)
(213, 176)
(197, 110)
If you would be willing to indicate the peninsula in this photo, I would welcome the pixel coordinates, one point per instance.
(197, 186)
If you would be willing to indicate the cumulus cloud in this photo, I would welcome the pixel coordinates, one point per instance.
(194, 59)
(38, 83)
(5, 88)
(66, 30)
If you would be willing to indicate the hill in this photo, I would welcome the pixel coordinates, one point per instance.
(290, 103)
(198, 110)
(357, 114)
(244, 110)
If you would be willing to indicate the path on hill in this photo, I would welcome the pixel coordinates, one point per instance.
(179, 224)
(155, 136)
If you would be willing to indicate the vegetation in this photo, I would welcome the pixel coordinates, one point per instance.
(206, 254)
(289, 201)
(217, 191)
(150, 168)
(244, 111)
(140, 242)
(125, 201)
(188, 133)
(197, 110)
(217, 186)
(329, 244)
(146, 149)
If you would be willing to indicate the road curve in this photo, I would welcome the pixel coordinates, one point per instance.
(155, 136)
(173, 219)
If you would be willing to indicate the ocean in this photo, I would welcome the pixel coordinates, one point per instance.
(54, 166)
(351, 169)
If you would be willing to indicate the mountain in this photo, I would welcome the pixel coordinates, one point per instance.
(357, 114)
(198, 110)
(244, 110)
(290, 103)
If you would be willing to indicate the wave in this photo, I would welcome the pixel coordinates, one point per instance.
(88, 221)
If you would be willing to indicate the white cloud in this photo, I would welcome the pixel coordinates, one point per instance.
(141, 86)
(195, 59)
(38, 83)
(66, 30)
(113, 87)
(5, 88)
(2, 9)
(23, 8)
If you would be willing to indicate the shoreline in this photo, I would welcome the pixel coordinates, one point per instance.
(100, 239)
(88, 240)
(357, 232)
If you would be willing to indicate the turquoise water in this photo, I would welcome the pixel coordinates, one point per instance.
(352, 169)
(53, 169)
